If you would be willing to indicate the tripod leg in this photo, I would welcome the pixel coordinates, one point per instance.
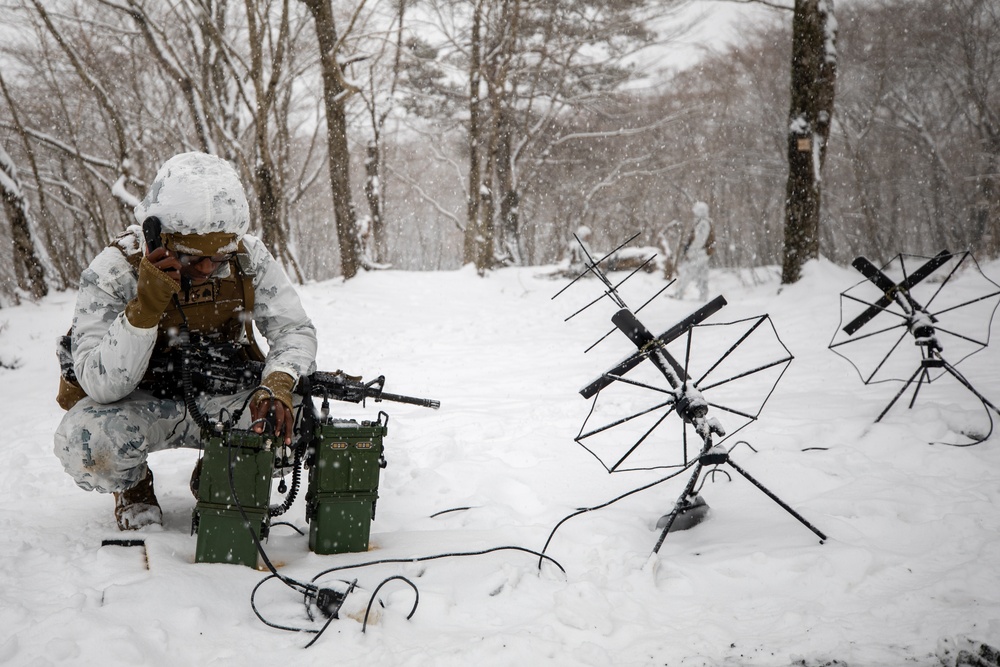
(899, 393)
(749, 478)
(678, 506)
(924, 377)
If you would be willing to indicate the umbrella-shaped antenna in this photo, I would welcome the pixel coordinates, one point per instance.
(951, 316)
(688, 374)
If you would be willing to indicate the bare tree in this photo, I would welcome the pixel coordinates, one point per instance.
(814, 74)
(82, 162)
(336, 90)
(913, 120)
(527, 67)
(978, 38)
(114, 115)
(502, 125)
(216, 64)
(28, 268)
(128, 83)
(380, 103)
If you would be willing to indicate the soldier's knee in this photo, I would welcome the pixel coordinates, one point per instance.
(99, 448)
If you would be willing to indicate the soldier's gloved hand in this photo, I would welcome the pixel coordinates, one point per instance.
(261, 404)
(155, 289)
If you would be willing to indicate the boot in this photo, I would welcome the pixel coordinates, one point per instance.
(137, 507)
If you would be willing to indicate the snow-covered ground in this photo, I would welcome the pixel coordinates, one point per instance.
(912, 563)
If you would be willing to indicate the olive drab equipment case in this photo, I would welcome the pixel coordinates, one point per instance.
(343, 484)
(344, 463)
(228, 509)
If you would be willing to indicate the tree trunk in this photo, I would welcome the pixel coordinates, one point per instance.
(473, 233)
(510, 233)
(266, 170)
(377, 246)
(42, 255)
(335, 93)
(272, 222)
(27, 267)
(487, 214)
(500, 45)
(374, 197)
(986, 209)
(814, 66)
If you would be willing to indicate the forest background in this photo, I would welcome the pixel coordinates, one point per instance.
(428, 134)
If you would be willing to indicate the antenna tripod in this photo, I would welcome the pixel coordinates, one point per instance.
(684, 394)
(931, 359)
(915, 317)
(715, 455)
(692, 408)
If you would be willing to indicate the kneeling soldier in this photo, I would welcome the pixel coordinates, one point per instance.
(201, 277)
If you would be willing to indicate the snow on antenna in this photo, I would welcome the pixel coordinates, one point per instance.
(684, 393)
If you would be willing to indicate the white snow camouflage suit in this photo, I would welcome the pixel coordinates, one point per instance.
(693, 266)
(104, 439)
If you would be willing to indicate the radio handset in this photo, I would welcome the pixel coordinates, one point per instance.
(152, 231)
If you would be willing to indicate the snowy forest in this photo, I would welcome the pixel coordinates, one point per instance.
(430, 134)
(419, 168)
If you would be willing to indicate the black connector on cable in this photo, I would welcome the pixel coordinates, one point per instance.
(329, 601)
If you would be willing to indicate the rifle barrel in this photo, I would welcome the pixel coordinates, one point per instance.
(412, 400)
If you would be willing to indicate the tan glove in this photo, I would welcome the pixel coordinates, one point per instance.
(155, 290)
(281, 384)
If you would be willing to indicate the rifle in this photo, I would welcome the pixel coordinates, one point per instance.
(222, 368)
(342, 387)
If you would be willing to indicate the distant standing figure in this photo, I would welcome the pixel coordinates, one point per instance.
(692, 260)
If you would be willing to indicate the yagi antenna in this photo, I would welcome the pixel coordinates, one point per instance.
(683, 394)
(594, 267)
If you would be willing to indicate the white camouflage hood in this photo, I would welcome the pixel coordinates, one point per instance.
(197, 193)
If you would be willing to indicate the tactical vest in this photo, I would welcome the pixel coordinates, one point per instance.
(217, 311)
(220, 309)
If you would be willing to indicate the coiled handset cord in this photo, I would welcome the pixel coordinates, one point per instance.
(187, 387)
